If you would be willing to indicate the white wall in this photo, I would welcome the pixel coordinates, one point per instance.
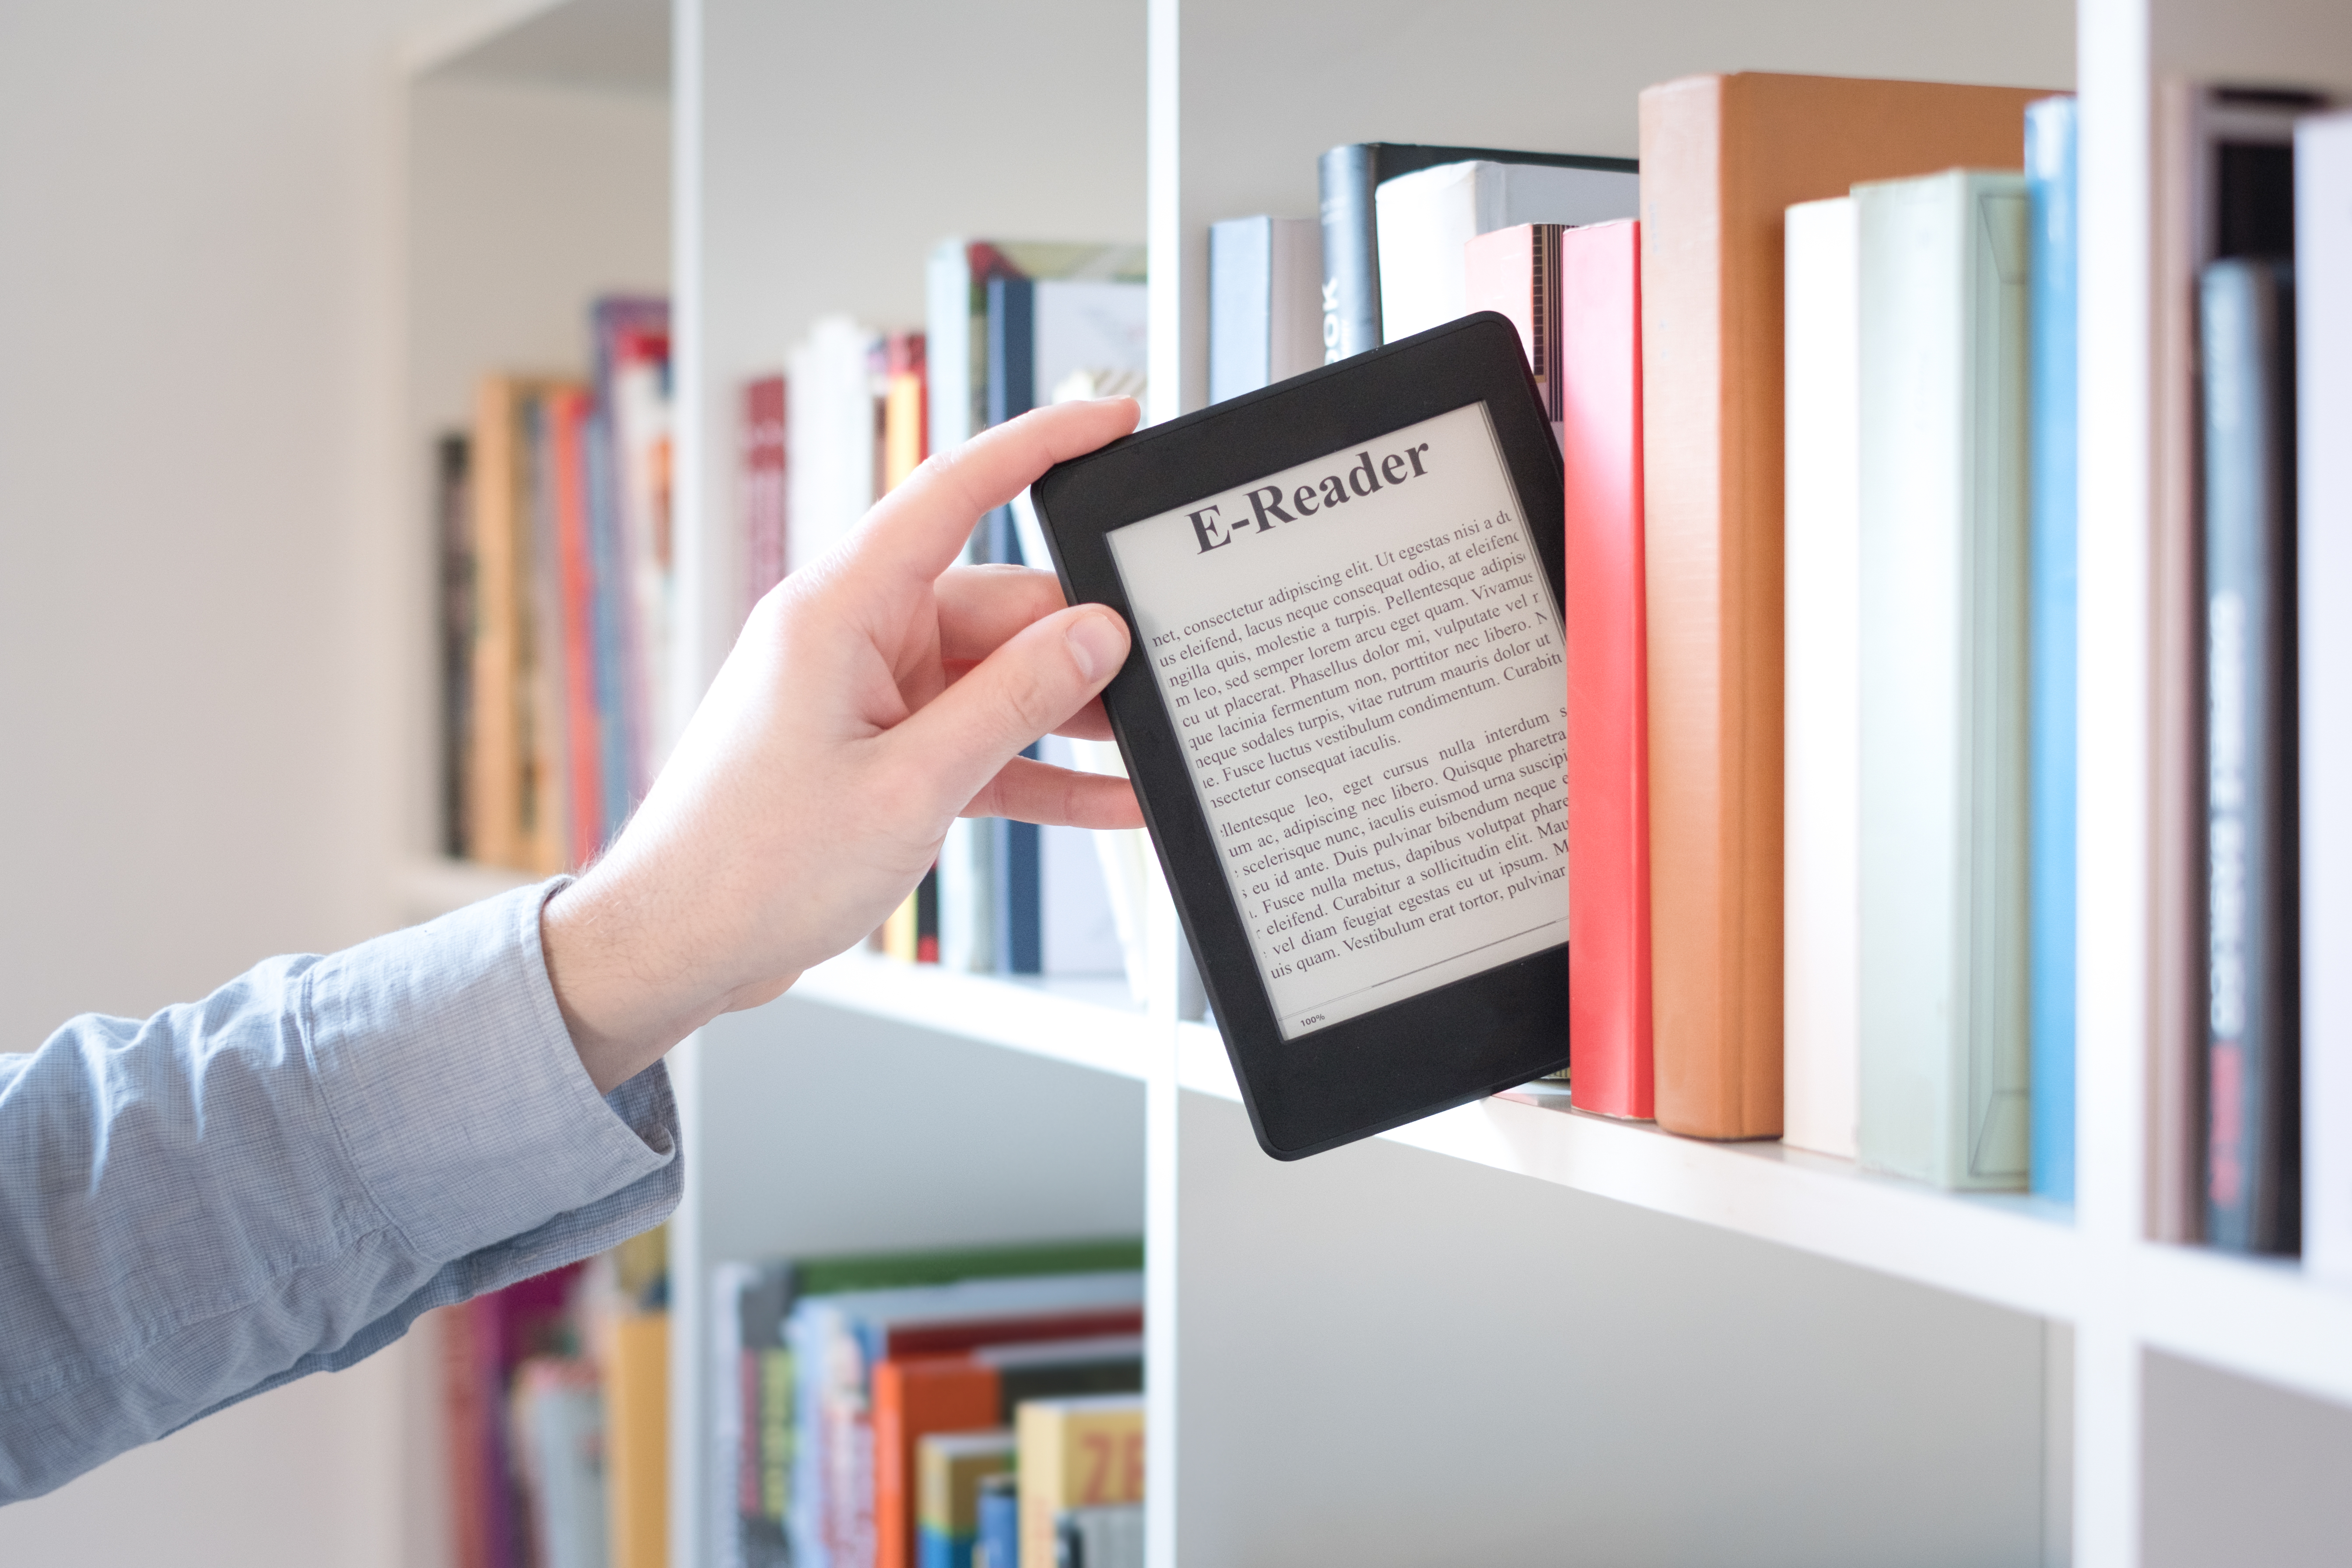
(195, 430)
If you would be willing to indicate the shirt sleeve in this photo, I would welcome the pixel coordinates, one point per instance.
(278, 1179)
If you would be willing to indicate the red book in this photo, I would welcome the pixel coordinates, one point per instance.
(763, 486)
(1608, 730)
(576, 564)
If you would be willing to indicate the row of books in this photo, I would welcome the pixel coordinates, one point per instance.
(555, 590)
(1008, 326)
(932, 1409)
(1818, 422)
(555, 1398)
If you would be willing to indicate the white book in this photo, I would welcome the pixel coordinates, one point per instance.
(2323, 267)
(830, 429)
(1266, 302)
(1821, 705)
(1425, 218)
(1942, 935)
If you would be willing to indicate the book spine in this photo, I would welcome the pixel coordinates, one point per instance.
(2323, 237)
(569, 459)
(1016, 847)
(1351, 261)
(2049, 164)
(1943, 1089)
(454, 514)
(1241, 306)
(764, 487)
(1711, 559)
(1821, 661)
(1594, 276)
(619, 706)
(546, 755)
(493, 783)
(2252, 1177)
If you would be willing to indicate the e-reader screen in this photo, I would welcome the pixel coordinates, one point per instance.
(1362, 654)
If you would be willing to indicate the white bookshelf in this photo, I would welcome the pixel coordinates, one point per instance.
(1511, 1332)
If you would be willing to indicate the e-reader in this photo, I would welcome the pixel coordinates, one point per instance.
(1345, 717)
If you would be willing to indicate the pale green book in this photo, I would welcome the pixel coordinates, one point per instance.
(1942, 927)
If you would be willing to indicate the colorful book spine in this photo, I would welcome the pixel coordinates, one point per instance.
(1086, 1452)
(1514, 272)
(1821, 724)
(2051, 259)
(1266, 320)
(1595, 332)
(1942, 946)
(636, 1440)
(2322, 240)
(543, 696)
(997, 1542)
(2253, 1166)
(951, 1467)
(453, 509)
(1015, 852)
(1723, 158)
(764, 487)
(582, 768)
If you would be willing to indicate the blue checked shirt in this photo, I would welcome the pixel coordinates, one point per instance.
(277, 1179)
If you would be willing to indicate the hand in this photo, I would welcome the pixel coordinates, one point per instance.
(875, 695)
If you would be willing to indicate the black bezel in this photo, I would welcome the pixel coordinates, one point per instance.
(1379, 1070)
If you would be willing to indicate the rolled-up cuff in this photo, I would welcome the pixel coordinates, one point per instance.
(463, 1105)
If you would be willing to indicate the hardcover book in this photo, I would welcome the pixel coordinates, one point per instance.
(1350, 177)
(1266, 316)
(1820, 709)
(1942, 656)
(1723, 157)
(2253, 1166)
(2051, 259)
(1424, 220)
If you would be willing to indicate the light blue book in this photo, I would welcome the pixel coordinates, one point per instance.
(2050, 160)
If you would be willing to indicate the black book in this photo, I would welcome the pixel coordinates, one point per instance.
(2252, 1163)
(454, 507)
(1350, 177)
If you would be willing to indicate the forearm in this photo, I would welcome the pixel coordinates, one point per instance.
(278, 1179)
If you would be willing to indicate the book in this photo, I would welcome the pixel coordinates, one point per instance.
(906, 441)
(2253, 1166)
(1423, 220)
(949, 1468)
(1084, 1452)
(630, 489)
(763, 486)
(2221, 184)
(1266, 315)
(500, 492)
(453, 508)
(836, 1342)
(1044, 335)
(956, 329)
(1942, 934)
(558, 1436)
(2323, 324)
(1821, 718)
(637, 1438)
(541, 698)
(831, 430)
(483, 1342)
(1107, 1537)
(1349, 179)
(1722, 159)
(575, 592)
(1582, 293)
(2052, 249)
(997, 1505)
(914, 1396)
(1514, 272)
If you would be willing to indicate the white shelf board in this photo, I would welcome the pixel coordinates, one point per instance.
(1088, 1023)
(2262, 1318)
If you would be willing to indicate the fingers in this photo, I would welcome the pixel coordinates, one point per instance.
(1028, 790)
(980, 606)
(920, 527)
(1034, 681)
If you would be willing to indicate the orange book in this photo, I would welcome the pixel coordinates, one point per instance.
(636, 1440)
(912, 1399)
(1723, 157)
(582, 781)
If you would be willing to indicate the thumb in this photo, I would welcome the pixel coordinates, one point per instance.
(1032, 682)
